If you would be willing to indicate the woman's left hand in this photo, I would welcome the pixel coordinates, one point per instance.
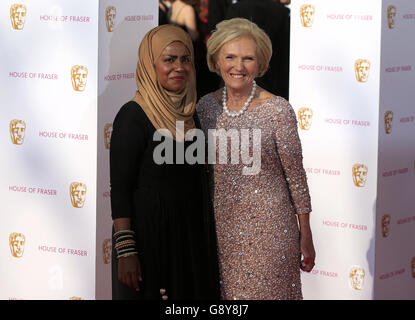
(307, 250)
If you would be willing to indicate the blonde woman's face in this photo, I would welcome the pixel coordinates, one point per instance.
(173, 67)
(238, 63)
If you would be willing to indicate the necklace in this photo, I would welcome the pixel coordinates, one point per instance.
(242, 110)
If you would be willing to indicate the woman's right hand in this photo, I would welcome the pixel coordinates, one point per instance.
(129, 271)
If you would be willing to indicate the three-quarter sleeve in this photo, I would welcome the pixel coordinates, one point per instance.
(128, 142)
(290, 153)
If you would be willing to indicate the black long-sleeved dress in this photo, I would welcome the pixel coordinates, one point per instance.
(170, 213)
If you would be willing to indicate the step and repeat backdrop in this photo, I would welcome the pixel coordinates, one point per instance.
(66, 69)
(352, 77)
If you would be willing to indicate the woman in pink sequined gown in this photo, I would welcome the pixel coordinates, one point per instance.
(262, 214)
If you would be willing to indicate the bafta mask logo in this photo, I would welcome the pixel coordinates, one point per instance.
(359, 172)
(110, 14)
(77, 192)
(356, 277)
(18, 16)
(79, 75)
(75, 298)
(17, 131)
(106, 250)
(413, 267)
(362, 68)
(386, 221)
(388, 121)
(307, 15)
(391, 16)
(107, 135)
(305, 116)
(17, 242)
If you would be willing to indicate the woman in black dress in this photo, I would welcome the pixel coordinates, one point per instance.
(164, 243)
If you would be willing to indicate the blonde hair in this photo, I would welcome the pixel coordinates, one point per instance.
(231, 29)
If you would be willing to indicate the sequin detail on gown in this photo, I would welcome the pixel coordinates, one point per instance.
(257, 230)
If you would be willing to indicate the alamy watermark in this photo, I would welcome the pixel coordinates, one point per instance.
(240, 147)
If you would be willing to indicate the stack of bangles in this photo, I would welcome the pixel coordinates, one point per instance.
(125, 243)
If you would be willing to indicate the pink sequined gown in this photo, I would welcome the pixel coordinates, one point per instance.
(257, 229)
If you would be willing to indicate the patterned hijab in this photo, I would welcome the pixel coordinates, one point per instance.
(161, 106)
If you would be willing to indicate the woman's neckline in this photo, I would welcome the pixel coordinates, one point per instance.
(219, 103)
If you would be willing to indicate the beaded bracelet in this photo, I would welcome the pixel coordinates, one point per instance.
(125, 243)
(126, 237)
(124, 232)
(125, 255)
